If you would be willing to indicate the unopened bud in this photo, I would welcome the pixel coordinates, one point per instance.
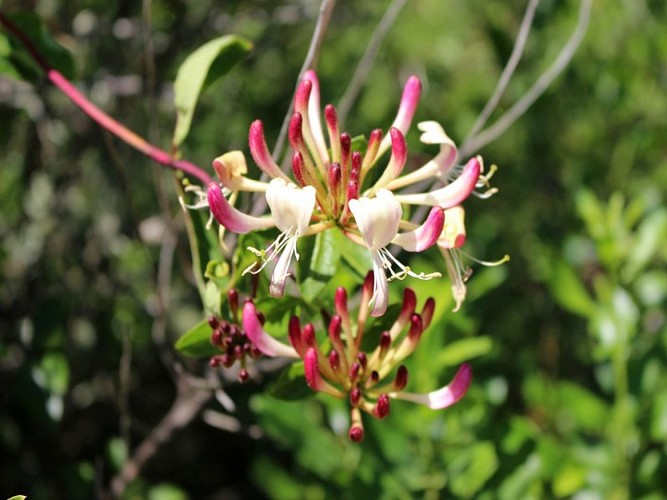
(334, 361)
(356, 434)
(355, 397)
(401, 379)
(381, 409)
(233, 298)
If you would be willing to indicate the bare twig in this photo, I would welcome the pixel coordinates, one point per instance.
(187, 405)
(366, 61)
(509, 69)
(323, 18)
(504, 122)
(326, 8)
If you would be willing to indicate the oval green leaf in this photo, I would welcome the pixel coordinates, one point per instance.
(196, 342)
(201, 68)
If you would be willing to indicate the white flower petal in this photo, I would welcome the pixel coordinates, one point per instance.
(377, 218)
(291, 206)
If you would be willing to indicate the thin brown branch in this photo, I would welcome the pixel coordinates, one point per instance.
(187, 405)
(326, 9)
(543, 82)
(366, 61)
(509, 69)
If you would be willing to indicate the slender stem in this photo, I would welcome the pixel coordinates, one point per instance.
(326, 8)
(509, 69)
(621, 430)
(104, 120)
(366, 62)
(504, 122)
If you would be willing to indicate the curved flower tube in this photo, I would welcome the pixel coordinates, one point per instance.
(291, 208)
(263, 341)
(231, 218)
(453, 193)
(443, 397)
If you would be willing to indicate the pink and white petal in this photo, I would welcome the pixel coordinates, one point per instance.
(380, 296)
(377, 218)
(314, 377)
(260, 151)
(454, 231)
(231, 218)
(444, 397)
(314, 115)
(262, 340)
(281, 271)
(426, 235)
(399, 155)
(406, 110)
(450, 195)
(433, 133)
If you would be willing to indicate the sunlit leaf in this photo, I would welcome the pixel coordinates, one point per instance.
(473, 467)
(318, 262)
(651, 235)
(463, 350)
(568, 289)
(201, 68)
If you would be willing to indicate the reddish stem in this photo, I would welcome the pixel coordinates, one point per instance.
(104, 120)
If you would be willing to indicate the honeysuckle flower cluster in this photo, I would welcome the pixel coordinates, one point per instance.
(333, 185)
(340, 367)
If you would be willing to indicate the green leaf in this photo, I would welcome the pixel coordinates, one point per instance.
(53, 53)
(568, 290)
(357, 257)
(318, 262)
(18, 497)
(196, 342)
(462, 350)
(207, 259)
(201, 68)
(473, 467)
(650, 237)
(291, 385)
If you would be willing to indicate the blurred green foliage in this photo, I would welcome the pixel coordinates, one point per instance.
(568, 341)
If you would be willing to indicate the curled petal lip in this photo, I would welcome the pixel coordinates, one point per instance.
(450, 195)
(445, 396)
(377, 218)
(231, 218)
(290, 205)
(426, 235)
(262, 340)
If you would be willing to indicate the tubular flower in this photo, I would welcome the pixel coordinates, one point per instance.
(291, 208)
(349, 189)
(368, 379)
(378, 219)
